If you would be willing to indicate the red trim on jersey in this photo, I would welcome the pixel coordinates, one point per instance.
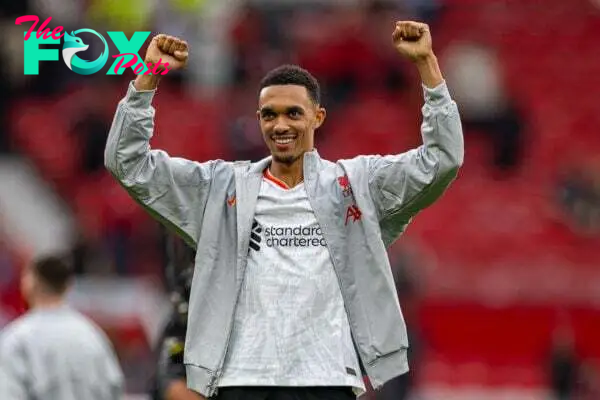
(267, 174)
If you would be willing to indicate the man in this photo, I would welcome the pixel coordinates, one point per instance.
(170, 380)
(292, 294)
(53, 352)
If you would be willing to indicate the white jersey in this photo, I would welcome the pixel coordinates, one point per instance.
(291, 327)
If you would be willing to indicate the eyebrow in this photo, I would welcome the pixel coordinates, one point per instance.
(268, 109)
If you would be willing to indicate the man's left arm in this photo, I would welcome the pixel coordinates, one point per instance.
(402, 185)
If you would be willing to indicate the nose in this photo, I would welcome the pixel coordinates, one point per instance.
(280, 127)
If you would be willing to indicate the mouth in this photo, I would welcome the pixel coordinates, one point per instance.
(283, 142)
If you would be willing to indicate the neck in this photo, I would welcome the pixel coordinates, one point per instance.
(46, 301)
(290, 174)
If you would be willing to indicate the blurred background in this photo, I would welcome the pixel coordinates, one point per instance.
(499, 281)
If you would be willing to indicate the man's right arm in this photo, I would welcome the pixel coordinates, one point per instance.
(174, 190)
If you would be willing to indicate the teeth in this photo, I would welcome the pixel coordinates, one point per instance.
(283, 140)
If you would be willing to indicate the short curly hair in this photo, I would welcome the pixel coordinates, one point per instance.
(293, 75)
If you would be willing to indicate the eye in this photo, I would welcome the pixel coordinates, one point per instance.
(268, 116)
(295, 114)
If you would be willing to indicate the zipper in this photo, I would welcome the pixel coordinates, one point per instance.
(380, 356)
(358, 353)
(218, 373)
(240, 166)
(372, 362)
(337, 276)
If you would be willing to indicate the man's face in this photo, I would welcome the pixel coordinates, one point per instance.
(288, 119)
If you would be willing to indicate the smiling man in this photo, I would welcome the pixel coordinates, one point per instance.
(289, 113)
(292, 295)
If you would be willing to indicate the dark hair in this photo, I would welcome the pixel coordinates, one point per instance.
(293, 75)
(54, 273)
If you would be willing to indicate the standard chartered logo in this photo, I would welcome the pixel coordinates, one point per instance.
(296, 236)
(286, 236)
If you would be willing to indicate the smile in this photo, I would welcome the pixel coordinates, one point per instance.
(284, 139)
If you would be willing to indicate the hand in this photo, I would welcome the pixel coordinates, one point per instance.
(413, 40)
(167, 49)
(177, 390)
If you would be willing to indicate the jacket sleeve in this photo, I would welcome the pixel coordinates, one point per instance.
(172, 190)
(402, 185)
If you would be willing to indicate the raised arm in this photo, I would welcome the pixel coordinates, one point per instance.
(402, 185)
(173, 190)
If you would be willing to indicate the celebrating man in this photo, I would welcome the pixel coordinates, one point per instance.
(292, 294)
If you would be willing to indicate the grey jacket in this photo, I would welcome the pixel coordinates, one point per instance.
(362, 204)
(58, 354)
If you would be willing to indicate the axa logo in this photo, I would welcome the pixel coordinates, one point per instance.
(128, 56)
(354, 213)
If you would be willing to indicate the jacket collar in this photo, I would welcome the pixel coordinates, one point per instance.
(312, 160)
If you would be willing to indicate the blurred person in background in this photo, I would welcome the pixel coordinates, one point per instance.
(474, 72)
(272, 315)
(53, 352)
(578, 196)
(588, 386)
(169, 382)
(564, 366)
(405, 264)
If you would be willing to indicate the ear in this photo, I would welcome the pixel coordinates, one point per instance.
(258, 115)
(27, 282)
(321, 113)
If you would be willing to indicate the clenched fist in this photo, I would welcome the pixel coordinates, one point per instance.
(165, 53)
(167, 50)
(412, 40)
